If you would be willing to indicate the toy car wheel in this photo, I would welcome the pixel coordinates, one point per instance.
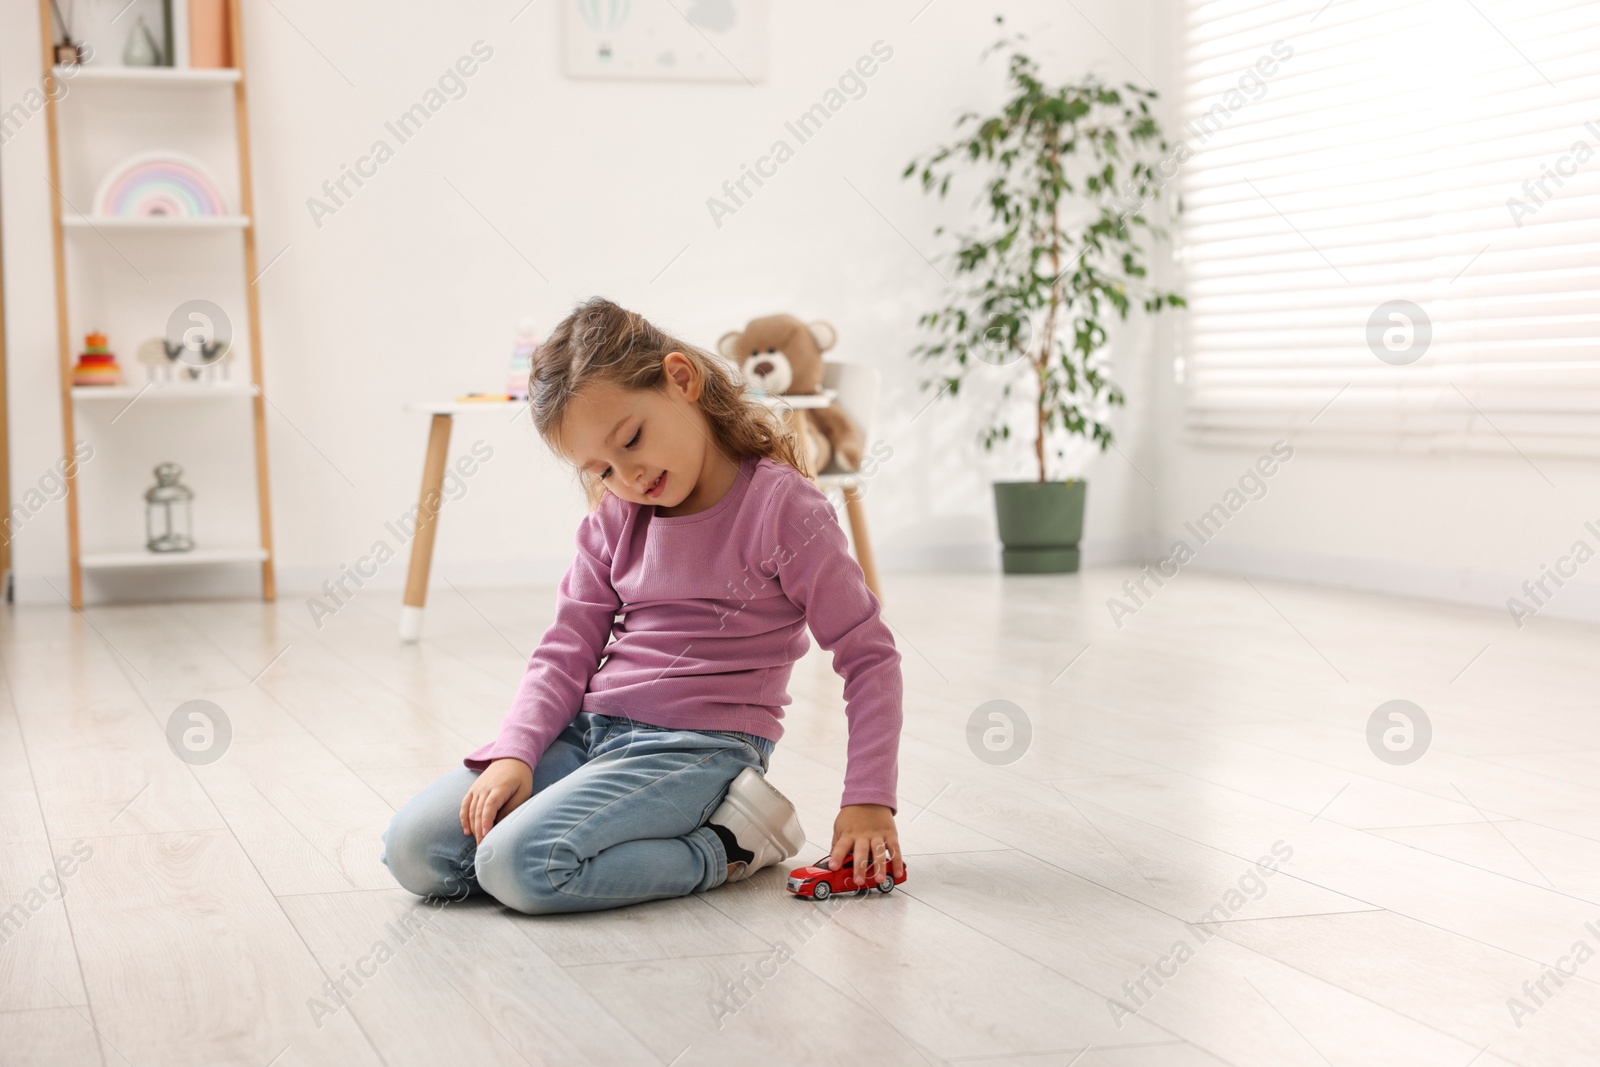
(886, 885)
(821, 891)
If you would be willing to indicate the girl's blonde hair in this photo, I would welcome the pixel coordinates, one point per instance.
(602, 342)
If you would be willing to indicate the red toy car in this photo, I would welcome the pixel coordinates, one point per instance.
(819, 883)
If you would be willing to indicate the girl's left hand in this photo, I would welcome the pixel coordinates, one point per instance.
(867, 831)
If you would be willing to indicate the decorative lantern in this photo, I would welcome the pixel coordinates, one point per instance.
(167, 511)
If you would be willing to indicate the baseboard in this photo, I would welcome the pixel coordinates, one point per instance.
(142, 586)
(300, 581)
(1577, 601)
(303, 580)
(1097, 552)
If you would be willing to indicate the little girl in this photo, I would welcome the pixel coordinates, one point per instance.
(706, 555)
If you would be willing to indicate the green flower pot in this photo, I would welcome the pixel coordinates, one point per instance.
(1040, 525)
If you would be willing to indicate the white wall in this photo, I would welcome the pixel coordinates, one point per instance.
(409, 292)
(527, 194)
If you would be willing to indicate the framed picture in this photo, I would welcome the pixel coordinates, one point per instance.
(680, 40)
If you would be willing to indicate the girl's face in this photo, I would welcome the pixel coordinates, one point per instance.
(650, 446)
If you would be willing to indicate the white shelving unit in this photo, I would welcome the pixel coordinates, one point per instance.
(101, 84)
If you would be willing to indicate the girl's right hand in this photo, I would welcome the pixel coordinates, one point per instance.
(498, 791)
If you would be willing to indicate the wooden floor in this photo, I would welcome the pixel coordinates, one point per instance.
(210, 907)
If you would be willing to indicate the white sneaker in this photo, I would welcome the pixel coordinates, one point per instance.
(762, 820)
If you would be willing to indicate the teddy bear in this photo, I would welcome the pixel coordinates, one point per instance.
(782, 355)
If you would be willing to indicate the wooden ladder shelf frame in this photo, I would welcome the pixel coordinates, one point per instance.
(252, 299)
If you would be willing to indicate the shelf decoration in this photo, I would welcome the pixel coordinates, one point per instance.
(170, 13)
(167, 363)
(159, 184)
(209, 33)
(167, 518)
(97, 364)
(141, 49)
(522, 360)
(67, 52)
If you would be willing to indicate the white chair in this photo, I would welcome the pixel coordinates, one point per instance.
(857, 388)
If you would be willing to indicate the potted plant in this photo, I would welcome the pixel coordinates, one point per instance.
(1068, 180)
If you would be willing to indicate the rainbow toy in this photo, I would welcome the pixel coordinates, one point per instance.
(159, 184)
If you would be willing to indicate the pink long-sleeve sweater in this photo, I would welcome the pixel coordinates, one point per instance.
(713, 611)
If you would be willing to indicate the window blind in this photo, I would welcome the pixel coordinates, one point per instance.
(1391, 225)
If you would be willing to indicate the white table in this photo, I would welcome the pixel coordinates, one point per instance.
(430, 498)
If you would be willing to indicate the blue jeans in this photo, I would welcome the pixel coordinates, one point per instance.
(617, 816)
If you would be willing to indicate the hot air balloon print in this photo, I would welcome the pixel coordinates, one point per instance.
(604, 17)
